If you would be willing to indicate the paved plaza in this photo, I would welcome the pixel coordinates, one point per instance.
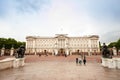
(60, 68)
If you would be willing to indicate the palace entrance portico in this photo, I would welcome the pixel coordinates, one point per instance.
(61, 51)
(62, 44)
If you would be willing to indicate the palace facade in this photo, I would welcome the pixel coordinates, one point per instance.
(62, 44)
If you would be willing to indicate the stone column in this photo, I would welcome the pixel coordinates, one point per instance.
(89, 53)
(118, 63)
(35, 53)
(111, 63)
(119, 52)
(12, 51)
(104, 62)
(18, 62)
(2, 51)
(53, 52)
(114, 51)
(67, 52)
(70, 51)
(56, 51)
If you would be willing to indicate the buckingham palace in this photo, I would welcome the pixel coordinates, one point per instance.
(62, 44)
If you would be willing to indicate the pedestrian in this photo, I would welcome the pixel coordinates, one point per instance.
(80, 61)
(84, 60)
(65, 55)
(76, 60)
(39, 54)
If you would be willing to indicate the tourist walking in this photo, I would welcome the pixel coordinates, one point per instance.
(39, 54)
(84, 60)
(80, 60)
(65, 55)
(76, 60)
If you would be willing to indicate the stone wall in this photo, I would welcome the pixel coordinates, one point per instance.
(111, 63)
(11, 63)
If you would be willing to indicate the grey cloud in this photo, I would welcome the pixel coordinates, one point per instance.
(111, 36)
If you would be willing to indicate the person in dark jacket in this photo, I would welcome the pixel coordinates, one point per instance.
(76, 60)
(84, 60)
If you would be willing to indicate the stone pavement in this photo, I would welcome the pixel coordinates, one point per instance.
(60, 68)
(36, 58)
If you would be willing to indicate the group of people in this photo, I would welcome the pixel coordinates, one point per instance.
(81, 60)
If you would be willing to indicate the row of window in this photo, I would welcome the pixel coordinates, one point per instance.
(38, 46)
(72, 41)
(74, 50)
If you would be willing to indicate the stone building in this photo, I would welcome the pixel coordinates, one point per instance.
(62, 44)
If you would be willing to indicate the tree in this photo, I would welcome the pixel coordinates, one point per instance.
(115, 44)
(10, 42)
(100, 45)
(118, 44)
(112, 44)
(2, 42)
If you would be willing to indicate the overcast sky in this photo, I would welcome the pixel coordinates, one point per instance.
(21, 18)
